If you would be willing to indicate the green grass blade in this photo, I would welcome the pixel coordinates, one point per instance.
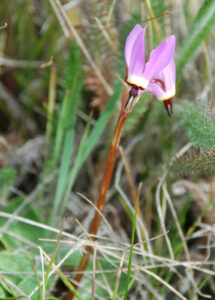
(67, 123)
(37, 280)
(131, 249)
(101, 124)
(75, 168)
(132, 281)
(48, 270)
(68, 146)
(73, 86)
(60, 129)
(68, 284)
(198, 31)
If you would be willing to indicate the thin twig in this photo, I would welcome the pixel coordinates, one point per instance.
(18, 63)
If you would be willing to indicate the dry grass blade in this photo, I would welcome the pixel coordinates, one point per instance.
(81, 226)
(106, 283)
(160, 214)
(37, 224)
(177, 223)
(94, 274)
(118, 276)
(159, 279)
(110, 13)
(43, 275)
(154, 20)
(107, 36)
(60, 19)
(123, 246)
(14, 63)
(95, 207)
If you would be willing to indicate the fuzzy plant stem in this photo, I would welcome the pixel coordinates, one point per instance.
(110, 163)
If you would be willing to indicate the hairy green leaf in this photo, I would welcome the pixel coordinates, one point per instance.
(199, 124)
(196, 162)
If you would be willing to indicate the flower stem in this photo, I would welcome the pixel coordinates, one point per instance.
(128, 102)
(102, 195)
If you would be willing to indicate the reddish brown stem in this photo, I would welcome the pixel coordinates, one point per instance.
(102, 195)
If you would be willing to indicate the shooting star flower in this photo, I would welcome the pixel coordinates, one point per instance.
(139, 74)
(157, 75)
(162, 86)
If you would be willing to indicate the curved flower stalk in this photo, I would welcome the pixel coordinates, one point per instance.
(156, 76)
(126, 108)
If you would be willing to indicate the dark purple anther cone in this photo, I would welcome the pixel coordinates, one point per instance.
(168, 106)
(133, 92)
(132, 95)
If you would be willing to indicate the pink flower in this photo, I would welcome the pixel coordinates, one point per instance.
(139, 74)
(163, 85)
(158, 74)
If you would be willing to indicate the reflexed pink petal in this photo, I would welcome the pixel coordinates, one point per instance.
(160, 57)
(168, 76)
(136, 31)
(156, 90)
(137, 60)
